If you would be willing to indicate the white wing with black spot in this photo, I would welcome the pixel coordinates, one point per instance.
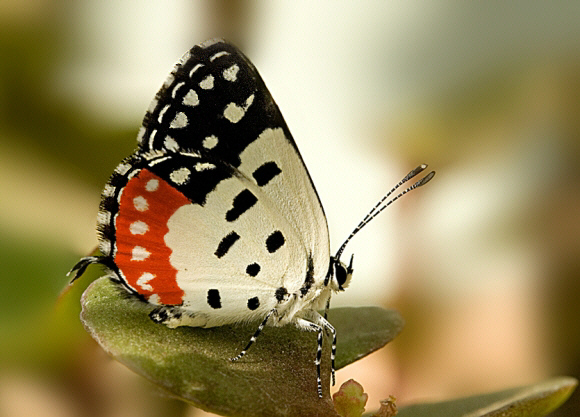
(253, 223)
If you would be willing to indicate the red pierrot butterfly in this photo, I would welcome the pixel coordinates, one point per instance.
(214, 219)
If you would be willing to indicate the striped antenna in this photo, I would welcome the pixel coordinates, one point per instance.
(381, 204)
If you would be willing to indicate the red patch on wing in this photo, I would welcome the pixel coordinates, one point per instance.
(147, 203)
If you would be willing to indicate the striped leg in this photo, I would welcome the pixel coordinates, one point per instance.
(254, 337)
(331, 328)
(313, 327)
(332, 331)
(318, 360)
(319, 324)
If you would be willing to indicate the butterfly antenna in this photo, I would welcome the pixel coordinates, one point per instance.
(381, 204)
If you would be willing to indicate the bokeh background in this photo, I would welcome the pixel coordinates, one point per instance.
(483, 263)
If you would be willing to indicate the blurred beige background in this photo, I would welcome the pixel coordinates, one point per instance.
(484, 263)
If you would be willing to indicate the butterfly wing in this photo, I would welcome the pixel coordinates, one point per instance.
(240, 223)
(214, 102)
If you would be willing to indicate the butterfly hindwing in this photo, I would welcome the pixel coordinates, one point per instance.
(223, 253)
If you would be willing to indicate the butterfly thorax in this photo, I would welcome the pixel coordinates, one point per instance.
(299, 306)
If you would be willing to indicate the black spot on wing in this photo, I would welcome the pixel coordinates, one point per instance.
(214, 299)
(253, 269)
(253, 303)
(266, 172)
(226, 243)
(275, 241)
(242, 202)
(281, 293)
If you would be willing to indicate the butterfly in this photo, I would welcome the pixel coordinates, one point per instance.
(214, 219)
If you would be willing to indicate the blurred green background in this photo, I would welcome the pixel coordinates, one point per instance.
(484, 263)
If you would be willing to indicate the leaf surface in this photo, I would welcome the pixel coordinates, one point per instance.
(530, 401)
(276, 378)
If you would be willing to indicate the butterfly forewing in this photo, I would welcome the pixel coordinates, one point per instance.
(216, 104)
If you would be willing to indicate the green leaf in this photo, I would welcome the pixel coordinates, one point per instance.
(530, 401)
(276, 378)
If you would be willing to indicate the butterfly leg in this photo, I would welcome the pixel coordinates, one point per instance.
(313, 327)
(330, 328)
(315, 322)
(254, 337)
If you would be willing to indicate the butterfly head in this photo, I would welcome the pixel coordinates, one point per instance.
(340, 274)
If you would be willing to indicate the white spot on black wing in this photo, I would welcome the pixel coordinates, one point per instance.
(180, 176)
(194, 69)
(122, 169)
(105, 246)
(204, 166)
(210, 142)
(109, 191)
(158, 160)
(207, 83)
(234, 113)
(152, 137)
(176, 88)
(231, 73)
(191, 98)
(179, 122)
(162, 113)
(171, 144)
(141, 134)
(218, 55)
(103, 217)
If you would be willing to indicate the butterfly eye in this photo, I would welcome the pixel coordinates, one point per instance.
(340, 274)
